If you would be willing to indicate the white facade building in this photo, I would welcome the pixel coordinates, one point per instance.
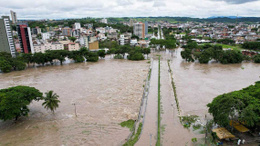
(104, 21)
(14, 17)
(122, 40)
(46, 36)
(77, 25)
(48, 46)
(133, 42)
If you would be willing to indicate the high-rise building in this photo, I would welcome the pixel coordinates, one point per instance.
(77, 25)
(146, 27)
(139, 29)
(14, 17)
(6, 36)
(36, 31)
(131, 22)
(25, 38)
(66, 31)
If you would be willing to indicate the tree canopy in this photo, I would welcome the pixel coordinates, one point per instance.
(242, 106)
(14, 101)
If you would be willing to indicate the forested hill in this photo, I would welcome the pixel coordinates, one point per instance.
(185, 19)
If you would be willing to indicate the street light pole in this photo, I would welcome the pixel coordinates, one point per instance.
(75, 109)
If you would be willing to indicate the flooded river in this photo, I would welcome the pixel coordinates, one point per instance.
(110, 91)
(105, 93)
(197, 84)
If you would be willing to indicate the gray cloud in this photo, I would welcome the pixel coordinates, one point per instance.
(236, 1)
(56, 9)
(159, 4)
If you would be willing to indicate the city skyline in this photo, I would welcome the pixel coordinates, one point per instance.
(46, 9)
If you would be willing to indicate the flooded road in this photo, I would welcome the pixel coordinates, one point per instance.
(197, 84)
(173, 132)
(105, 93)
(149, 132)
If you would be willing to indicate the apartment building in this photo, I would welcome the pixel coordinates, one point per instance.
(6, 36)
(139, 29)
(14, 17)
(48, 46)
(25, 38)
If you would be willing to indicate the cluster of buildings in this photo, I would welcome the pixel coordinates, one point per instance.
(16, 36)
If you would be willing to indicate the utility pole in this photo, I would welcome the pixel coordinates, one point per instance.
(75, 109)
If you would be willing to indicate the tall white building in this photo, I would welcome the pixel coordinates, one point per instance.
(14, 17)
(104, 20)
(77, 25)
(46, 36)
(122, 40)
(6, 36)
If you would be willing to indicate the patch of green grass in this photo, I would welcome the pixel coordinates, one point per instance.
(188, 120)
(148, 62)
(129, 124)
(86, 132)
(150, 72)
(196, 127)
(194, 140)
(134, 138)
(174, 88)
(235, 47)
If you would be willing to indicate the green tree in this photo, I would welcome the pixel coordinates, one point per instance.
(256, 58)
(51, 101)
(242, 106)
(73, 39)
(27, 57)
(146, 51)
(18, 63)
(39, 58)
(92, 57)
(14, 101)
(5, 65)
(187, 55)
(101, 53)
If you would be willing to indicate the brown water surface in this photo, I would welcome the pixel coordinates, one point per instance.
(105, 93)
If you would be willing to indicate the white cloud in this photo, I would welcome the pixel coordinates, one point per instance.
(55, 9)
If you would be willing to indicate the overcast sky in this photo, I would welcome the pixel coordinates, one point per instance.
(57, 9)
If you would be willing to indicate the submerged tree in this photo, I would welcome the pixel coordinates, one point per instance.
(14, 101)
(51, 101)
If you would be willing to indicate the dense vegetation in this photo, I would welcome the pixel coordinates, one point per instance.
(251, 46)
(207, 52)
(226, 41)
(242, 106)
(14, 101)
(134, 53)
(8, 63)
(170, 44)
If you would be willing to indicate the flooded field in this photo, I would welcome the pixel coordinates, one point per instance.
(197, 84)
(105, 93)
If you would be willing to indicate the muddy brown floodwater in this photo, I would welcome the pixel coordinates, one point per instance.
(197, 84)
(105, 93)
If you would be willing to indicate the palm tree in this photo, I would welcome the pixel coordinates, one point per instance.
(51, 101)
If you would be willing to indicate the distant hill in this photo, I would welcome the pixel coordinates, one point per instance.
(231, 17)
(223, 19)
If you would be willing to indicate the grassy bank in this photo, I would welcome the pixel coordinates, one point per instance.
(158, 143)
(129, 124)
(135, 137)
(174, 88)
